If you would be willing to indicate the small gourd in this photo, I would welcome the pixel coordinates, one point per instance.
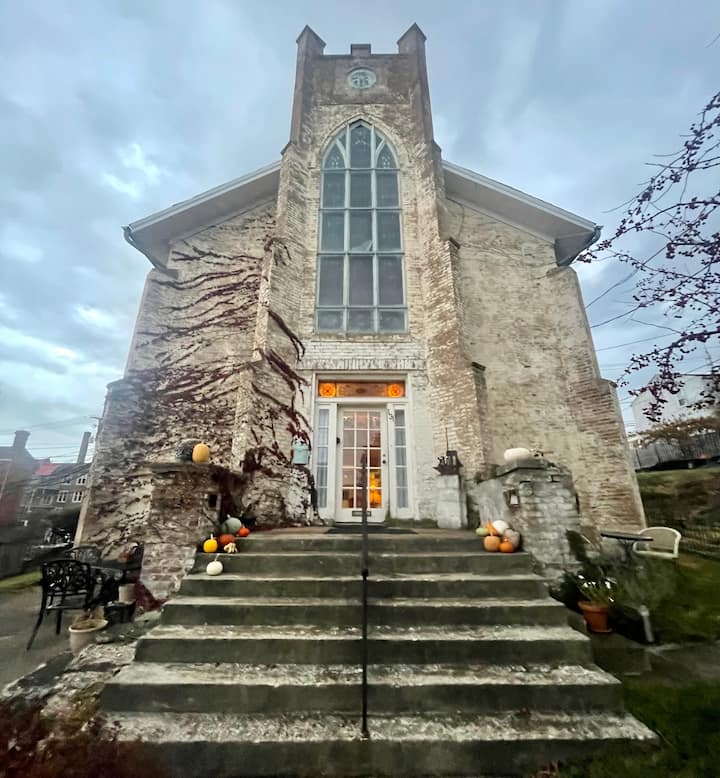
(491, 543)
(223, 540)
(210, 546)
(231, 525)
(512, 536)
(230, 548)
(507, 547)
(482, 532)
(215, 567)
(200, 454)
(243, 532)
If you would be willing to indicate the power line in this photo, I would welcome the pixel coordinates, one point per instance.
(630, 343)
(60, 423)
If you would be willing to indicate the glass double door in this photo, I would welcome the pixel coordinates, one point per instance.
(362, 432)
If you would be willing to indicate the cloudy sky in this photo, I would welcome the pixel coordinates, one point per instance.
(113, 109)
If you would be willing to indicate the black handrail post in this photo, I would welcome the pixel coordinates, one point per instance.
(363, 505)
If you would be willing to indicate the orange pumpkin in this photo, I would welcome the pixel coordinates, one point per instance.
(491, 543)
(210, 546)
(243, 532)
(200, 454)
(507, 547)
(223, 540)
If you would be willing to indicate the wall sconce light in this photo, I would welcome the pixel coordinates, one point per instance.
(512, 498)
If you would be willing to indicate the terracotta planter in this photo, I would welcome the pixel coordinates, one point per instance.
(596, 616)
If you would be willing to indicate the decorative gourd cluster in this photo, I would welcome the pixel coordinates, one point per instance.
(226, 542)
(499, 536)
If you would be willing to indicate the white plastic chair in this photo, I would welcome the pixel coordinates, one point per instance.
(665, 543)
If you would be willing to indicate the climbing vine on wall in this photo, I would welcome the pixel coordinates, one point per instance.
(194, 360)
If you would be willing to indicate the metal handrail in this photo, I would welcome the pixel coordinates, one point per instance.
(365, 573)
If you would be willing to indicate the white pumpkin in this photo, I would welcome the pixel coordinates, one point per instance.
(500, 527)
(215, 567)
(512, 536)
(513, 455)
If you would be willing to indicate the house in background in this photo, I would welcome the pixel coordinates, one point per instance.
(697, 388)
(17, 465)
(55, 488)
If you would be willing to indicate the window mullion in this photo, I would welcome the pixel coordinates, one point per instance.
(346, 246)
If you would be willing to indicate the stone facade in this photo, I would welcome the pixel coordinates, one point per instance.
(497, 352)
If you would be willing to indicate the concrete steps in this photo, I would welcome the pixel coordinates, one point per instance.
(331, 563)
(312, 644)
(316, 744)
(474, 688)
(424, 585)
(473, 669)
(405, 612)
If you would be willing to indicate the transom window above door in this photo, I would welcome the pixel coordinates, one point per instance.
(361, 284)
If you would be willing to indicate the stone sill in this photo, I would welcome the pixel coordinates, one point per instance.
(207, 468)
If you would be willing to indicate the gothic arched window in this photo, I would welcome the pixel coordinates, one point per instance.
(360, 262)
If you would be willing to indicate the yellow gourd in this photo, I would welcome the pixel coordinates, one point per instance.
(210, 546)
(200, 454)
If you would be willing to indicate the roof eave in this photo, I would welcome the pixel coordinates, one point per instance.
(153, 234)
(570, 234)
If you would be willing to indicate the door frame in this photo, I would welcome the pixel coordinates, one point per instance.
(333, 406)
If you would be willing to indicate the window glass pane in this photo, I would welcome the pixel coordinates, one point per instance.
(334, 159)
(333, 232)
(402, 497)
(333, 190)
(330, 284)
(392, 320)
(387, 190)
(385, 158)
(388, 230)
(390, 283)
(360, 320)
(360, 190)
(330, 321)
(360, 287)
(361, 231)
(360, 146)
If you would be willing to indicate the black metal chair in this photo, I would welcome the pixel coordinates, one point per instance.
(66, 585)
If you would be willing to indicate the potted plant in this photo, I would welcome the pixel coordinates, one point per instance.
(598, 597)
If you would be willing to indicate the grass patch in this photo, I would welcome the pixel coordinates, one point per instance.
(686, 718)
(681, 497)
(692, 612)
(17, 582)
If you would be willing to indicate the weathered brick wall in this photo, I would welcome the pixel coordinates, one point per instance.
(524, 322)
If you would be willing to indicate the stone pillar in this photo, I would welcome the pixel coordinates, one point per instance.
(450, 506)
(538, 499)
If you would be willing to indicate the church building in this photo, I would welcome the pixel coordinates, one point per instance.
(361, 300)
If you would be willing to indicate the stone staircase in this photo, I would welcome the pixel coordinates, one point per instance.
(473, 669)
